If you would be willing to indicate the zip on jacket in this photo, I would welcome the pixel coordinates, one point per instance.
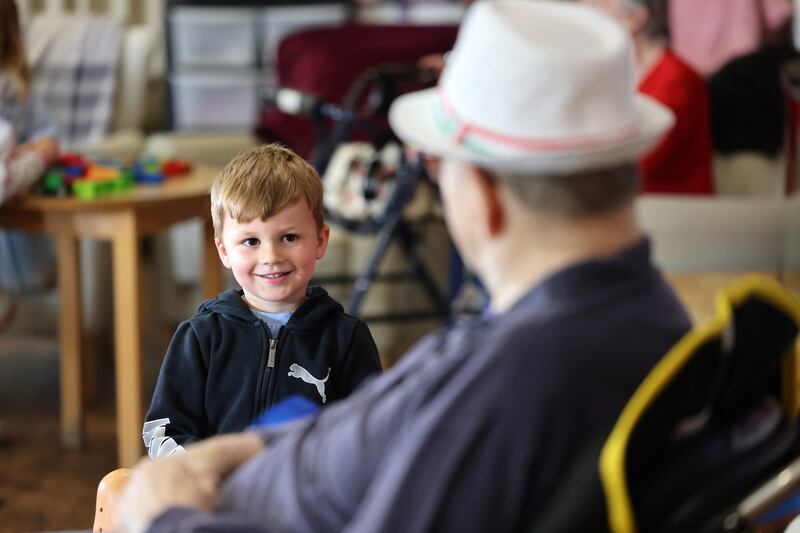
(272, 356)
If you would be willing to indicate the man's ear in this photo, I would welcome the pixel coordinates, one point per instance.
(322, 240)
(223, 253)
(495, 210)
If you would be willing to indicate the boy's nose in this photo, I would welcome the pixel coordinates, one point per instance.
(269, 255)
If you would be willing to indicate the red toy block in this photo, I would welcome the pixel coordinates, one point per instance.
(69, 159)
(172, 167)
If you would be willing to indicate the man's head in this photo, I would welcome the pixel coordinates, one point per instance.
(266, 206)
(535, 117)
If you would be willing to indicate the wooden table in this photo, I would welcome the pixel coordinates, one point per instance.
(122, 219)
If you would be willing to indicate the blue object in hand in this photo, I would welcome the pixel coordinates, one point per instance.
(286, 410)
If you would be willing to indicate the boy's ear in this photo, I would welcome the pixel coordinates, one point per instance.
(223, 253)
(322, 240)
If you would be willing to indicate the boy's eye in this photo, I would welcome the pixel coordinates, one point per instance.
(252, 241)
(289, 237)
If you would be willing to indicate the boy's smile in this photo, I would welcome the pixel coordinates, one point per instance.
(273, 260)
(273, 277)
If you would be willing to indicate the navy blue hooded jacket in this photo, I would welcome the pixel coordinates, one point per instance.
(223, 367)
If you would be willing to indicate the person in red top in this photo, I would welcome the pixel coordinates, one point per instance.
(682, 162)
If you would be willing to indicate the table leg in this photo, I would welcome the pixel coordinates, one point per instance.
(212, 276)
(69, 338)
(127, 339)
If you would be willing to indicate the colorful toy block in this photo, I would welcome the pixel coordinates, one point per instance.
(102, 183)
(53, 181)
(175, 167)
(91, 180)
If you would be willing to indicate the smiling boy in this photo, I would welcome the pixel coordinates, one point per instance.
(275, 337)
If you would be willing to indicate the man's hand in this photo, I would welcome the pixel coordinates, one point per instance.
(190, 479)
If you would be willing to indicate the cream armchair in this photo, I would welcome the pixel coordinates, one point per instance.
(140, 49)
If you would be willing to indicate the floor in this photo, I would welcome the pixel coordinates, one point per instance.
(44, 487)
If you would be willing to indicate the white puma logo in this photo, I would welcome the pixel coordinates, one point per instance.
(297, 371)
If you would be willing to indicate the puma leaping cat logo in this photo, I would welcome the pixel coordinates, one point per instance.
(297, 371)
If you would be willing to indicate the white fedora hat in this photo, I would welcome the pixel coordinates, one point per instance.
(534, 86)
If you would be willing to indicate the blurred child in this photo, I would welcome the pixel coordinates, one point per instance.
(20, 166)
(275, 337)
(26, 261)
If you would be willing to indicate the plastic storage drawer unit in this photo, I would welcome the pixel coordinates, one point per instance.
(215, 101)
(213, 37)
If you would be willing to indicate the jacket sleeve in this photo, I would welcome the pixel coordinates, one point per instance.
(359, 362)
(177, 413)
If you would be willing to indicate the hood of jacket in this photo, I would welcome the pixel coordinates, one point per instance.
(230, 305)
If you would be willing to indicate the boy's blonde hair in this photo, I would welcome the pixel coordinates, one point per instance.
(13, 61)
(260, 182)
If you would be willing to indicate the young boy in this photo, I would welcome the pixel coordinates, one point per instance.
(248, 349)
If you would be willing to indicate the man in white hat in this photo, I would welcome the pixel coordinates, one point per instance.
(538, 128)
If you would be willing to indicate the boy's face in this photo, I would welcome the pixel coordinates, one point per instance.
(273, 260)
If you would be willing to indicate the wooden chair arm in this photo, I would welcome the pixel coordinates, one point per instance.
(109, 492)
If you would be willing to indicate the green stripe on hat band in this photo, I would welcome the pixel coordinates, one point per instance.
(447, 126)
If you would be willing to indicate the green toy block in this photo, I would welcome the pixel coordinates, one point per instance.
(124, 181)
(91, 189)
(52, 181)
(85, 189)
